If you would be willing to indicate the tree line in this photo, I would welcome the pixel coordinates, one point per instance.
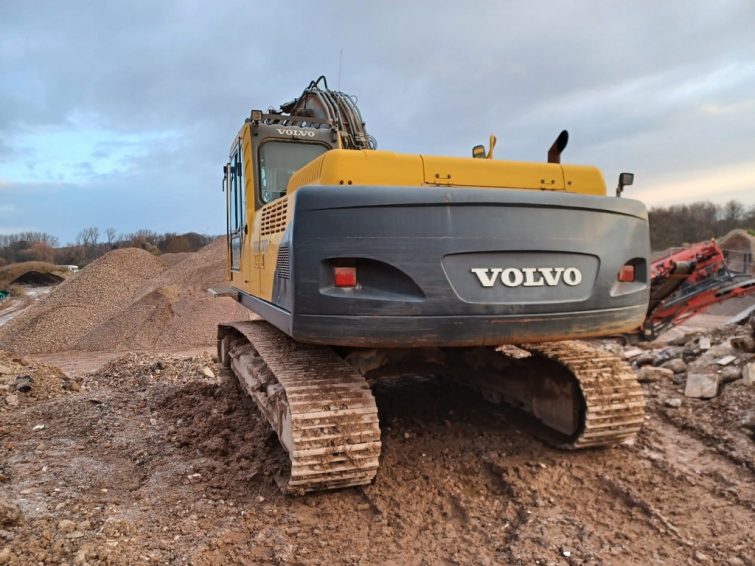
(91, 243)
(669, 226)
(688, 223)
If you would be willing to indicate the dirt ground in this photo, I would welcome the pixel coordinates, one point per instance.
(155, 459)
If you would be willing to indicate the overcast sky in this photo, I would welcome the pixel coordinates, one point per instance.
(121, 113)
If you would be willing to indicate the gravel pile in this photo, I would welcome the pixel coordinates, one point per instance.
(130, 300)
(81, 303)
(171, 311)
(172, 259)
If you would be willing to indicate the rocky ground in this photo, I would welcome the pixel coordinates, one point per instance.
(155, 458)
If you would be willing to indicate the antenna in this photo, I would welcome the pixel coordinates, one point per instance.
(340, 64)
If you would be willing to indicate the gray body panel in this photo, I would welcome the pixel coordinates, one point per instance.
(415, 250)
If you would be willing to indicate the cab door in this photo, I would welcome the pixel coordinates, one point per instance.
(236, 221)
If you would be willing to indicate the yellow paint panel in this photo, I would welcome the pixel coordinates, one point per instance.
(585, 180)
(386, 168)
(352, 167)
(491, 173)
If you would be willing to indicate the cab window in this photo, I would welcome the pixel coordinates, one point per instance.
(278, 161)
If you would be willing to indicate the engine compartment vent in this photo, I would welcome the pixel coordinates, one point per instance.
(274, 217)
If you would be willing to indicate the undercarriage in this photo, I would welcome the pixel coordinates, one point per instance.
(319, 402)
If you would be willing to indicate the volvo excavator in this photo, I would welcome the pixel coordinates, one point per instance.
(362, 263)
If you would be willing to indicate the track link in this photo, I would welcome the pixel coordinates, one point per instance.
(583, 396)
(614, 407)
(322, 410)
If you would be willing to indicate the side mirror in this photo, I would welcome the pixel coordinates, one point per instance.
(625, 180)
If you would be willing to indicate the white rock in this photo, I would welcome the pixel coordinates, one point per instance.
(700, 557)
(674, 402)
(704, 343)
(38, 427)
(207, 372)
(11, 400)
(633, 353)
(726, 360)
(701, 385)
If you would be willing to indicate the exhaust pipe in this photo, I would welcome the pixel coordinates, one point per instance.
(554, 153)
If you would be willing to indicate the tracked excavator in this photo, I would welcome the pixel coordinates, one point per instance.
(362, 263)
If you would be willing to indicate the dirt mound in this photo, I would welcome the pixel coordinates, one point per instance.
(81, 303)
(24, 382)
(136, 371)
(154, 461)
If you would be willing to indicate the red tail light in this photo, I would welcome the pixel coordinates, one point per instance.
(626, 274)
(345, 276)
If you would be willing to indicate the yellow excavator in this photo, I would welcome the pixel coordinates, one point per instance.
(364, 263)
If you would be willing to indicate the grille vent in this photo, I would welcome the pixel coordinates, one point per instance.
(274, 217)
(283, 265)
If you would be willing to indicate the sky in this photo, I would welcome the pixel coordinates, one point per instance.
(120, 114)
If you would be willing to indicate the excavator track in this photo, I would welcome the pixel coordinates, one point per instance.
(614, 403)
(322, 410)
(584, 396)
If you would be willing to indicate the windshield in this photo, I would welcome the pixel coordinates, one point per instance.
(278, 161)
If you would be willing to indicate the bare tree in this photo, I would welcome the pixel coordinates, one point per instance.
(88, 237)
(110, 234)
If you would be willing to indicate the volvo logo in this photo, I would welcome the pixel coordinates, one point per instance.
(528, 276)
(298, 133)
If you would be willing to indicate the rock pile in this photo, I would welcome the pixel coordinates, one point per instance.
(24, 382)
(703, 362)
(135, 371)
(705, 379)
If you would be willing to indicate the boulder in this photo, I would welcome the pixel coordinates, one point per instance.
(644, 360)
(701, 385)
(748, 373)
(676, 365)
(744, 343)
(632, 353)
(650, 374)
(730, 373)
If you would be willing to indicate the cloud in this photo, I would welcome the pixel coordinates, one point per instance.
(718, 184)
(150, 94)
